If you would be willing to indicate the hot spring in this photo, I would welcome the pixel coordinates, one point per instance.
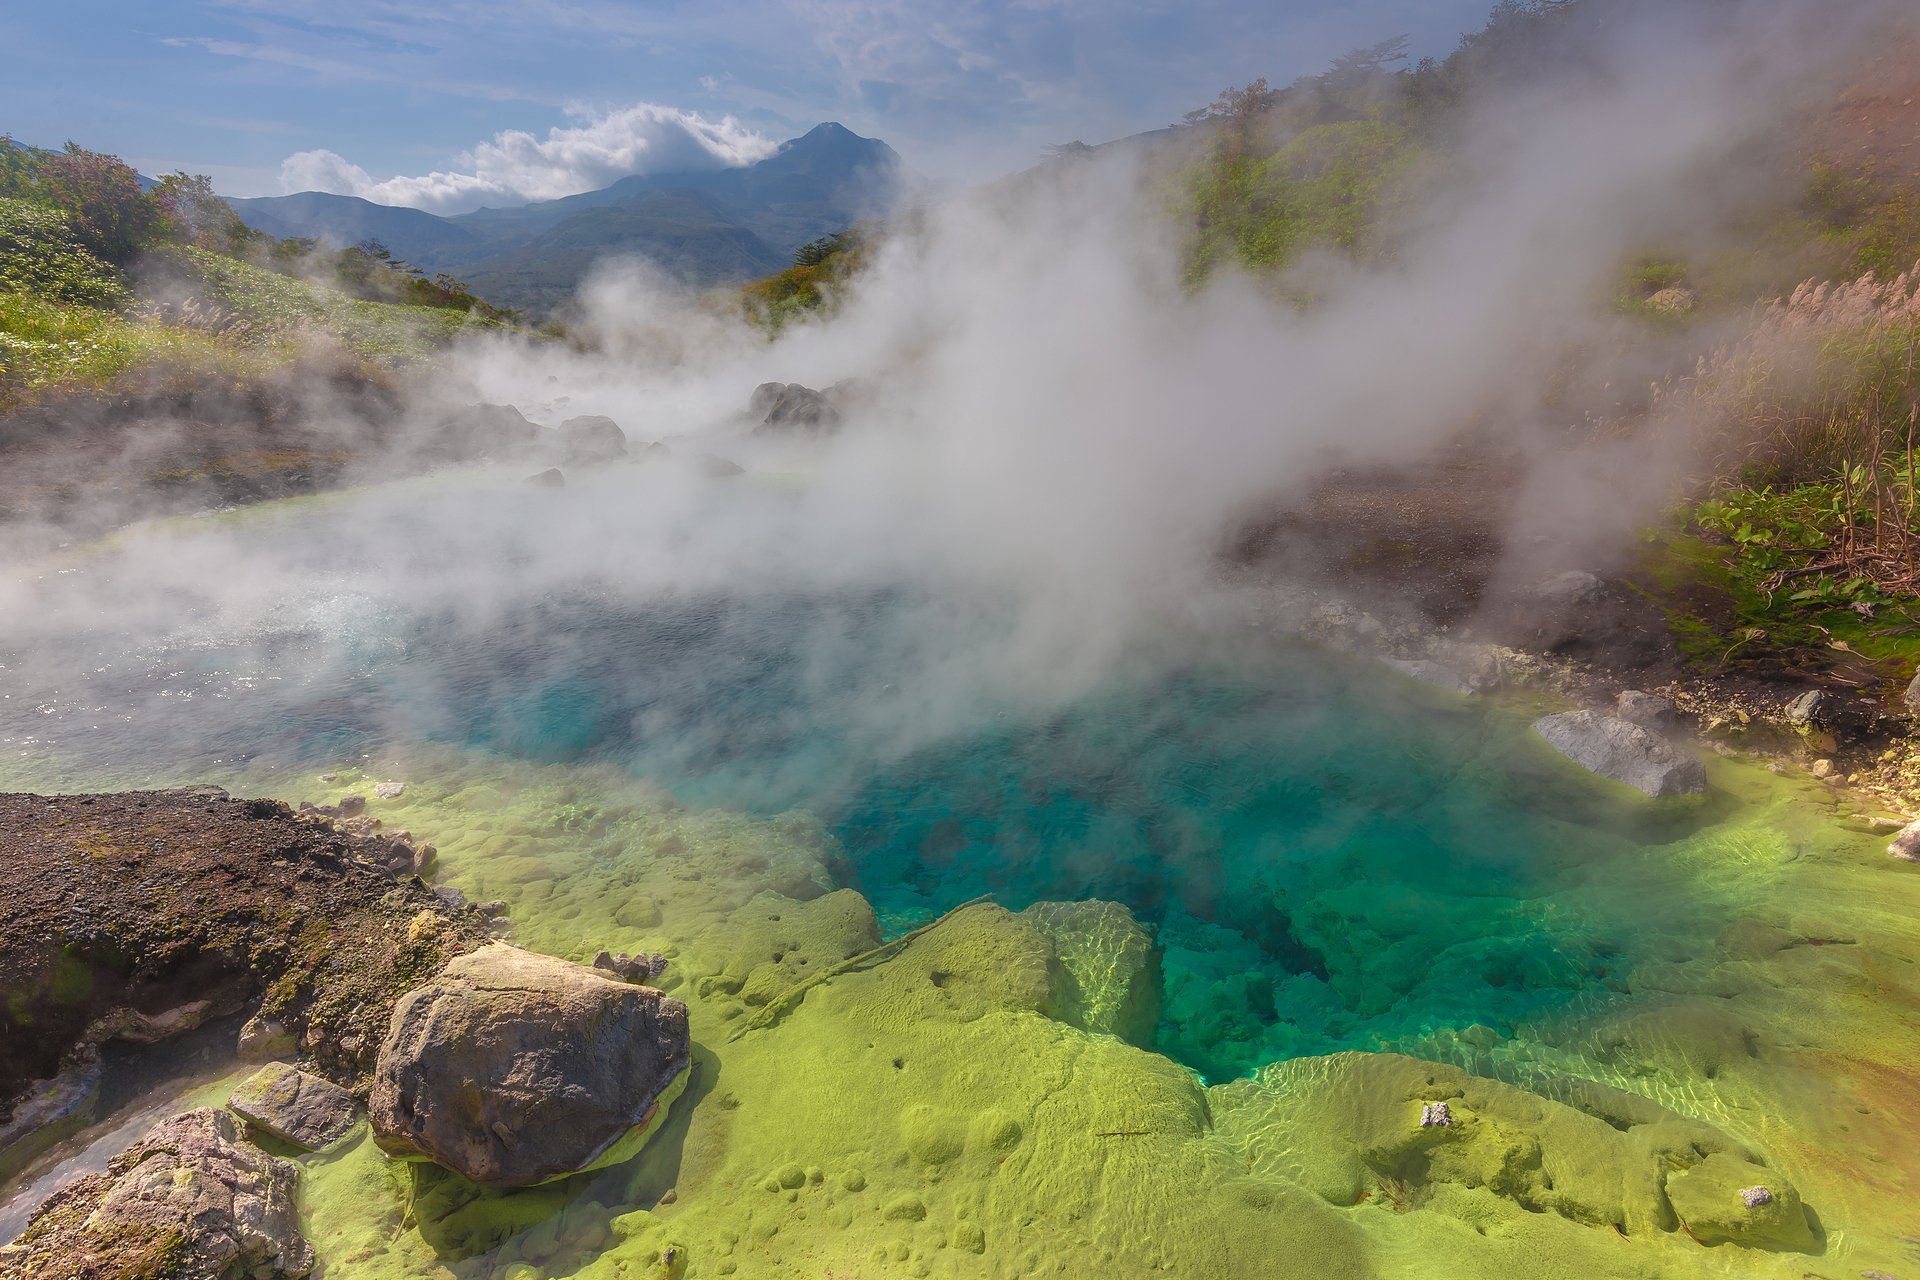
(1327, 856)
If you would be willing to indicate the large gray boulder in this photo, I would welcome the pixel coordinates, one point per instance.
(592, 438)
(792, 407)
(513, 1069)
(295, 1107)
(1623, 751)
(193, 1200)
(473, 431)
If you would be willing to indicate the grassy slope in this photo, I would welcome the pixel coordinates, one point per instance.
(70, 322)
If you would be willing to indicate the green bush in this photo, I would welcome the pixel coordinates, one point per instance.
(41, 255)
(811, 285)
(1333, 186)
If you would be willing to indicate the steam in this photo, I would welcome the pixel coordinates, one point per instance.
(1048, 437)
(515, 167)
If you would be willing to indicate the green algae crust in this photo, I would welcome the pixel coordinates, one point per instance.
(937, 1111)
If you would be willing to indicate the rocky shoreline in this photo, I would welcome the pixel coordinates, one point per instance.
(1589, 641)
(141, 916)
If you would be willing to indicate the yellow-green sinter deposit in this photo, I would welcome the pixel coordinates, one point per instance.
(956, 1102)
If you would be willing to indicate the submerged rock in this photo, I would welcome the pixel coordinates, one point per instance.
(295, 1107)
(193, 1200)
(1109, 967)
(1725, 1199)
(1906, 845)
(1623, 751)
(513, 1069)
(1352, 1126)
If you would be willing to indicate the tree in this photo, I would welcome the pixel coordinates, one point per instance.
(198, 216)
(19, 165)
(1364, 64)
(1239, 109)
(102, 198)
(815, 252)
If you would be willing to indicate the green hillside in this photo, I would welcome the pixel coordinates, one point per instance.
(105, 285)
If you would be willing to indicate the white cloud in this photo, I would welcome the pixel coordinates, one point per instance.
(515, 166)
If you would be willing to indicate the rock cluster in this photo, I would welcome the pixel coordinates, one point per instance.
(395, 852)
(641, 968)
(192, 1200)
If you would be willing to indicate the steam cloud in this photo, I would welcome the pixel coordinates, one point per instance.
(1052, 432)
(516, 167)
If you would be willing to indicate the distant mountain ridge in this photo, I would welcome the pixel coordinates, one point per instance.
(705, 227)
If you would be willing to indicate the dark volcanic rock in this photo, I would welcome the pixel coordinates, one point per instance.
(295, 1107)
(141, 914)
(193, 1201)
(592, 438)
(512, 1068)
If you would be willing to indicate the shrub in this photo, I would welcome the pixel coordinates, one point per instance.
(196, 216)
(102, 198)
(1820, 398)
(1333, 186)
(40, 255)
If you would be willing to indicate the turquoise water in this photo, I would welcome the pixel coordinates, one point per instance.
(1331, 856)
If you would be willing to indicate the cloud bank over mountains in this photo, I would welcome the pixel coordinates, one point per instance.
(516, 167)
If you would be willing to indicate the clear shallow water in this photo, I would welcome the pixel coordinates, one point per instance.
(1331, 856)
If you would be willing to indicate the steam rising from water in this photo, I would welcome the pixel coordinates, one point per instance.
(1053, 432)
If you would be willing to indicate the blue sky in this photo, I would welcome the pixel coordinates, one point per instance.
(470, 101)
